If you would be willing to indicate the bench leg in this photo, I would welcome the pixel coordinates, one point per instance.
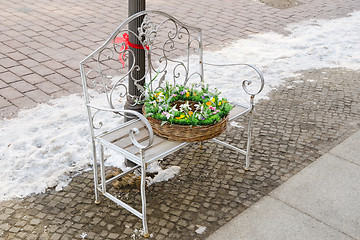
(102, 169)
(95, 171)
(143, 195)
(247, 161)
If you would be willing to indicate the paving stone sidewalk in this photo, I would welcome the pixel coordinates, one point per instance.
(42, 42)
(320, 202)
(303, 119)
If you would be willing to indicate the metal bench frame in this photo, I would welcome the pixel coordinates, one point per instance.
(135, 139)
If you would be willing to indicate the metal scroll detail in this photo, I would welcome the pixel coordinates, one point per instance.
(245, 83)
(147, 31)
(173, 53)
(165, 42)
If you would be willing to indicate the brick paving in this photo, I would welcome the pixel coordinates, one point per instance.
(42, 44)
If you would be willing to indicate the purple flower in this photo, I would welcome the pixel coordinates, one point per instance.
(203, 97)
(182, 92)
(174, 95)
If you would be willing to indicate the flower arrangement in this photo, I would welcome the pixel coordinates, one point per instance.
(182, 105)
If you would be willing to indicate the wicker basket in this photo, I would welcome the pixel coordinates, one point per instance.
(182, 133)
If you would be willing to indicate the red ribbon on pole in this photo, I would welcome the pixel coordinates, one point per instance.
(125, 39)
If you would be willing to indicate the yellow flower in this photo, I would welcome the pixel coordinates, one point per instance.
(187, 94)
(219, 103)
(208, 103)
(181, 116)
(213, 99)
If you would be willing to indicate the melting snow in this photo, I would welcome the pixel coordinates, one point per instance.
(311, 44)
(162, 175)
(200, 229)
(83, 235)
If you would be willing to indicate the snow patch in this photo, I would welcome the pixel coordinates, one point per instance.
(45, 147)
(138, 234)
(200, 229)
(162, 174)
(235, 124)
(83, 235)
(311, 44)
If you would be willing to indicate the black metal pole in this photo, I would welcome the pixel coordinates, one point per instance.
(135, 6)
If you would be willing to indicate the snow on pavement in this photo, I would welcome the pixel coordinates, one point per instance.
(45, 146)
(309, 45)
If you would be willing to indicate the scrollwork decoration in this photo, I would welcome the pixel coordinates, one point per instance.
(161, 40)
(246, 82)
(147, 31)
(97, 125)
(91, 82)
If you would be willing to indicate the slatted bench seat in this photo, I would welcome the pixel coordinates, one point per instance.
(105, 73)
(119, 139)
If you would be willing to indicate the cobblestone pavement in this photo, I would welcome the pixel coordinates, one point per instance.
(42, 44)
(304, 118)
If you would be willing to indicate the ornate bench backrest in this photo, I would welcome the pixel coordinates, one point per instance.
(169, 47)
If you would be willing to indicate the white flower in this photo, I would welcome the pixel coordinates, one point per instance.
(184, 107)
(168, 115)
(173, 109)
(199, 106)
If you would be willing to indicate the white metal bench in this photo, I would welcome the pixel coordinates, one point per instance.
(104, 74)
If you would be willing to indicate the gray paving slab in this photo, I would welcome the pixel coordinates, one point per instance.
(320, 202)
(349, 149)
(328, 190)
(271, 219)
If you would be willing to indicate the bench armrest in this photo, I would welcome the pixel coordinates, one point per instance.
(133, 131)
(245, 82)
